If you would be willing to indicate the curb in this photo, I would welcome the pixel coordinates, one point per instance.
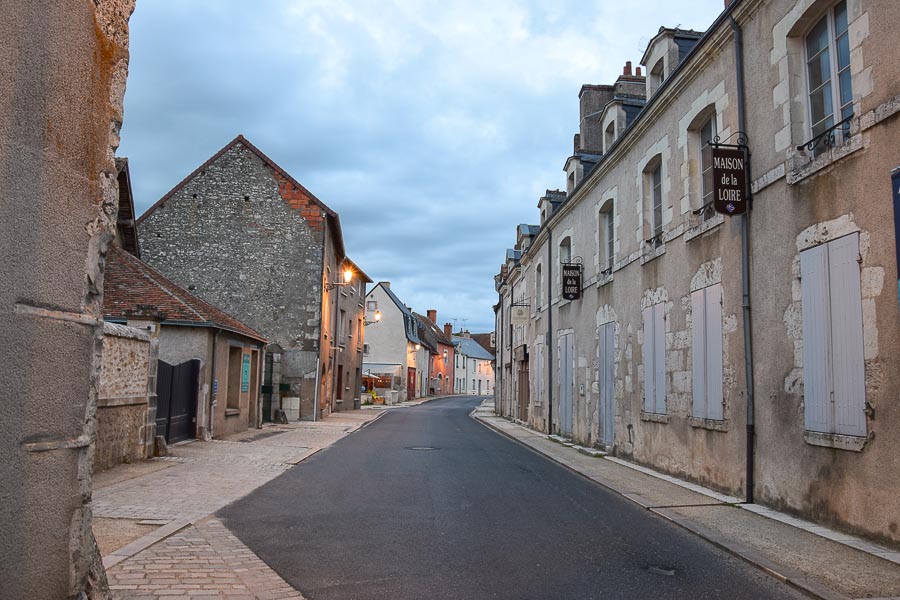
(788, 576)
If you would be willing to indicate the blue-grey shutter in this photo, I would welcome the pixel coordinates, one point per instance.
(848, 367)
(659, 356)
(714, 407)
(817, 409)
(698, 353)
(606, 368)
(649, 371)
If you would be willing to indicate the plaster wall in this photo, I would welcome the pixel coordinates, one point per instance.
(387, 341)
(63, 68)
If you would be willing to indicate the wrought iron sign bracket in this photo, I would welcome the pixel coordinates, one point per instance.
(742, 146)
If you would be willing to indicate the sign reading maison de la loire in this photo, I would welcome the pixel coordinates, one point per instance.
(571, 281)
(729, 180)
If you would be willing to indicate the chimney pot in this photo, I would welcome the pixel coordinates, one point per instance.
(432, 315)
(627, 69)
(637, 72)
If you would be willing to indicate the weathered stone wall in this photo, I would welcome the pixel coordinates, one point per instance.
(124, 431)
(240, 237)
(63, 67)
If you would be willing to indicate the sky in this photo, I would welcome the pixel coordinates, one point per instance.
(432, 128)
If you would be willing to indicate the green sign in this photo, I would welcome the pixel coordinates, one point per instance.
(245, 374)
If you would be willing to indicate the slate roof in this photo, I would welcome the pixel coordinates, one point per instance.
(129, 282)
(409, 321)
(471, 348)
(484, 340)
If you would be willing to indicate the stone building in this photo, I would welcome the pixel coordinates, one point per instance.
(752, 353)
(242, 234)
(349, 343)
(473, 367)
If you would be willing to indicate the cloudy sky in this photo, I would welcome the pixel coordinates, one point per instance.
(431, 127)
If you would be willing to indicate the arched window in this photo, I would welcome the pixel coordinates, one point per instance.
(538, 287)
(606, 237)
(653, 201)
(565, 250)
(609, 136)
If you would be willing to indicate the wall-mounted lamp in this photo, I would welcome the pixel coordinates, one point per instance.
(418, 347)
(348, 277)
(446, 354)
(377, 318)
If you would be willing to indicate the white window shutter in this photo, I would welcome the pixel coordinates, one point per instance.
(714, 408)
(848, 367)
(659, 356)
(817, 411)
(649, 371)
(698, 353)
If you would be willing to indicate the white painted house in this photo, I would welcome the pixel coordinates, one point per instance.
(393, 347)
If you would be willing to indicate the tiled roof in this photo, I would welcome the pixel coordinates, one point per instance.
(129, 282)
(434, 334)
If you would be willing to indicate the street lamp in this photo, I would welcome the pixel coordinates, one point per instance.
(348, 277)
(377, 318)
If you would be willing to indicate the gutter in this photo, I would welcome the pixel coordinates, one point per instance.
(549, 330)
(745, 262)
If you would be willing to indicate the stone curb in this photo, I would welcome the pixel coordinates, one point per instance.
(797, 580)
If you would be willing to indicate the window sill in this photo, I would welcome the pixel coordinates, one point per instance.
(707, 225)
(604, 279)
(649, 254)
(824, 160)
(232, 412)
(710, 424)
(835, 440)
(655, 417)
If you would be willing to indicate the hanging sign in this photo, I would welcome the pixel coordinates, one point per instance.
(571, 281)
(729, 180)
(518, 315)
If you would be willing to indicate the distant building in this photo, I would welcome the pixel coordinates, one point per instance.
(393, 346)
(440, 344)
(474, 370)
(245, 236)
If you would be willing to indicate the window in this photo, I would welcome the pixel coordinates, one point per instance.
(834, 389)
(340, 332)
(707, 133)
(371, 305)
(706, 352)
(565, 250)
(828, 71)
(538, 374)
(653, 201)
(365, 349)
(657, 76)
(606, 237)
(538, 287)
(235, 374)
(609, 136)
(654, 352)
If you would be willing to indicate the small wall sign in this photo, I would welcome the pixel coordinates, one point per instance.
(245, 374)
(571, 281)
(519, 315)
(729, 180)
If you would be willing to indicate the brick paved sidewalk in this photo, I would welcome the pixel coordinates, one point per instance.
(183, 489)
(203, 561)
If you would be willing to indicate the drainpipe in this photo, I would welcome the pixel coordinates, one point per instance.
(549, 330)
(745, 262)
(212, 387)
(321, 322)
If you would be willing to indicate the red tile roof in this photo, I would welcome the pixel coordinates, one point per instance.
(129, 282)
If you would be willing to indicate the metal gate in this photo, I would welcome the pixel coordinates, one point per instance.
(176, 407)
(607, 373)
(566, 353)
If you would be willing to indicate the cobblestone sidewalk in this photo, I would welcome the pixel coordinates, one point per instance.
(180, 491)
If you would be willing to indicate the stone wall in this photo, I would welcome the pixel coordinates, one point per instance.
(125, 432)
(63, 67)
(240, 236)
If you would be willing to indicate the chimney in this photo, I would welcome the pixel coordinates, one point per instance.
(432, 315)
(637, 72)
(627, 70)
(466, 333)
(386, 284)
(448, 331)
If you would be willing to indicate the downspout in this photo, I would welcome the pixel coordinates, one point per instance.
(549, 330)
(321, 323)
(745, 262)
(213, 388)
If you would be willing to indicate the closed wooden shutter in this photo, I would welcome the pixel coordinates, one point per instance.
(714, 393)
(817, 385)
(659, 356)
(649, 371)
(698, 353)
(848, 367)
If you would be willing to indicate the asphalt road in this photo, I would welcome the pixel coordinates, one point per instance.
(428, 503)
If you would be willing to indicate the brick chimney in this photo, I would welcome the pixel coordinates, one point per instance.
(448, 331)
(637, 71)
(627, 70)
(386, 284)
(432, 315)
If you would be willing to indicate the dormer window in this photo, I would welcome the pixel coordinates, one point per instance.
(609, 136)
(657, 75)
